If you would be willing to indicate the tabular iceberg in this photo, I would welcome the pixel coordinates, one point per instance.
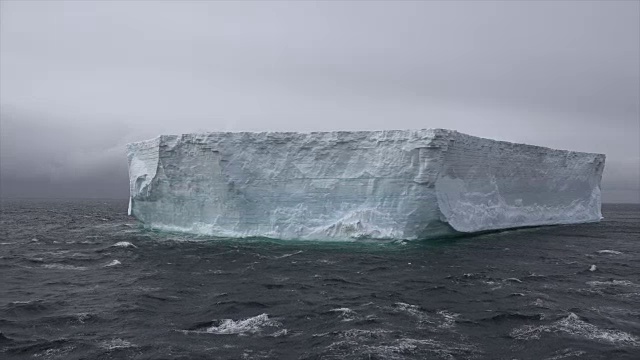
(398, 184)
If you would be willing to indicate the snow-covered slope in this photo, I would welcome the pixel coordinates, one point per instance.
(400, 184)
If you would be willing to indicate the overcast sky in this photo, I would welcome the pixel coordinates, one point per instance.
(81, 79)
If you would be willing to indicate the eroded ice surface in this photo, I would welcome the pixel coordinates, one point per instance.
(400, 184)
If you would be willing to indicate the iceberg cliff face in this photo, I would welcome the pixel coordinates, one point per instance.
(400, 184)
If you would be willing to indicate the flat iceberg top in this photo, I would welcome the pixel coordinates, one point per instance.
(390, 184)
(365, 135)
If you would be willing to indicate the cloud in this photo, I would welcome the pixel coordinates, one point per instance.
(80, 79)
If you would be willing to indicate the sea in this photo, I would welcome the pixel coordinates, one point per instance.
(82, 280)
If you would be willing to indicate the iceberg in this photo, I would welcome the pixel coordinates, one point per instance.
(346, 185)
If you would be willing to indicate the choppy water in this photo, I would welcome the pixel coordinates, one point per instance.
(81, 280)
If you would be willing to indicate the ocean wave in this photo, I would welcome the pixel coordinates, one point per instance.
(573, 325)
(252, 325)
(412, 310)
(346, 314)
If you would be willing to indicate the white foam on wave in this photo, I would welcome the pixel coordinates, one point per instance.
(448, 319)
(113, 263)
(412, 310)
(573, 325)
(442, 319)
(55, 353)
(64, 267)
(116, 344)
(612, 252)
(346, 314)
(611, 283)
(252, 325)
(25, 302)
(124, 244)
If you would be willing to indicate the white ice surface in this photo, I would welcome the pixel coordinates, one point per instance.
(400, 184)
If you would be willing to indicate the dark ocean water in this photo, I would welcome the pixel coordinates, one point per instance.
(82, 280)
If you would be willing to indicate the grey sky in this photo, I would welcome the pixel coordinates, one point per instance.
(81, 79)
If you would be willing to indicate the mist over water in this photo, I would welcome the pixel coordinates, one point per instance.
(82, 280)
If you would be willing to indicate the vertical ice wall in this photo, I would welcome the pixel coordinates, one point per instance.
(487, 185)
